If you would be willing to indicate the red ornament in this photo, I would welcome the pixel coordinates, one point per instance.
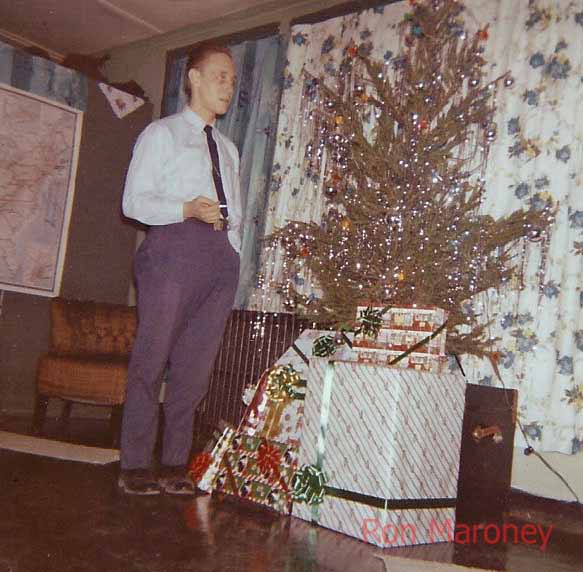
(423, 124)
(352, 51)
(199, 465)
(483, 34)
(304, 251)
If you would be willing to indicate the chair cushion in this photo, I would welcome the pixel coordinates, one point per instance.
(85, 328)
(100, 379)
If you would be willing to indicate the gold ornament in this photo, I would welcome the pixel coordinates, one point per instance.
(345, 224)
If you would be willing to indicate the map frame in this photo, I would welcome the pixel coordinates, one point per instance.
(63, 234)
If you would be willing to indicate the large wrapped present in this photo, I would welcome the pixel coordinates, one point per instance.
(280, 419)
(379, 453)
(258, 470)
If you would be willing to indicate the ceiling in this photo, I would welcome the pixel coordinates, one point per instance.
(63, 27)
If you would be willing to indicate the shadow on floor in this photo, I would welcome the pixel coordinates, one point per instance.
(66, 516)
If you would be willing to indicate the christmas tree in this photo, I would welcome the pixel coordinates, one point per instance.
(403, 154)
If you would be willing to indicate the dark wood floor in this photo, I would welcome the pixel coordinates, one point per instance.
(66, 516)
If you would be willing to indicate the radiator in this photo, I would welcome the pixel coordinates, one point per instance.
(253, 341)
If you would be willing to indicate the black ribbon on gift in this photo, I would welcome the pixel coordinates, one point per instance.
(390, 504)
(419, 344)
(301, 354)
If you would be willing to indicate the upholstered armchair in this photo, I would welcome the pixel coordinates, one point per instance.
(87, 361)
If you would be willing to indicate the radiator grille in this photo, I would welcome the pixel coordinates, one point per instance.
(253, 341)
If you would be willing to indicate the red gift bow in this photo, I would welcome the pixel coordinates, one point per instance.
(269, 459)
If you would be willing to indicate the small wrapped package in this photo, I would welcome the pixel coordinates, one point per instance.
(415, 333)
(257, 470)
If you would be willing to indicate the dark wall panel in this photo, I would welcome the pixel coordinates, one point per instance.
(101, 242)
(99, 252)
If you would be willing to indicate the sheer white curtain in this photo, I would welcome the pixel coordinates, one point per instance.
(537, 156)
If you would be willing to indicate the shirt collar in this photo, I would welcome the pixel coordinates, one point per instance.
(194, 119)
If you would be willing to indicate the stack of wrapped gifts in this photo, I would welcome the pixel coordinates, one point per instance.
(360, 447)
(258, 460)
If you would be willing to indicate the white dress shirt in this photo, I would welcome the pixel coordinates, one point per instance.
(171, 165)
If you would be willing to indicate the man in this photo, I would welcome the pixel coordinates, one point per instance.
(183, 183)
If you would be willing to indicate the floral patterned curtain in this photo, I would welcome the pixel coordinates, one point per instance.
(537, 156)
(251, 124)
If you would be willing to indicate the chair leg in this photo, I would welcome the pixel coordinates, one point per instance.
(40, 413)
(64, 419)
(115, 425)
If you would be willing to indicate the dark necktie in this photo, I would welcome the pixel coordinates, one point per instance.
(216, 170)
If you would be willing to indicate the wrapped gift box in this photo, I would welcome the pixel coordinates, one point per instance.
(388, 440)
(205, 482)
(263, 417)
(257, 470)
(411, 317)
(405, 326)
(414, 360)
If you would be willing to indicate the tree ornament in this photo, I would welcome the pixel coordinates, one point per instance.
(535, 234)
(330, 191)
(352, 51)
(324, 346)
(483, 35)
(491, 133)
(345, 224)
(304, 251)
(339, 119)
(417, 31)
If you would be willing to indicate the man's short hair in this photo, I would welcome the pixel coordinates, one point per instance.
(198, 54)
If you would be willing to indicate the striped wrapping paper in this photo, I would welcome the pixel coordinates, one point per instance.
(257, 421)
(392, 440)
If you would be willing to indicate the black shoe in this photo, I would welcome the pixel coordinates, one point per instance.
(175, 481)
(138, 482)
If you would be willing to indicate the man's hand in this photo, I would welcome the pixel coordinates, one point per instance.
(202, 208)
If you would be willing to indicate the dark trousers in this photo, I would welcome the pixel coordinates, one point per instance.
(186, 277)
